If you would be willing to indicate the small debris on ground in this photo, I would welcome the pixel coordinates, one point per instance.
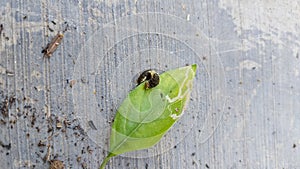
(56, 164)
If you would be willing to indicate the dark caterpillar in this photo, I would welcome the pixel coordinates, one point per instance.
(150, 77)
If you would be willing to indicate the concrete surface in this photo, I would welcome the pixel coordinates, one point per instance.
(244, 109)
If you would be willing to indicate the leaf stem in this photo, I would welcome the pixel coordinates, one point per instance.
(107, 158)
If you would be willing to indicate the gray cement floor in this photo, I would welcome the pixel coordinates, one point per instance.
(244, 108)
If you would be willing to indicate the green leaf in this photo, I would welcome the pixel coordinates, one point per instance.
(147, 114)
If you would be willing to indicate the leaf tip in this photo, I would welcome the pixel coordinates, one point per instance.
(194, 67)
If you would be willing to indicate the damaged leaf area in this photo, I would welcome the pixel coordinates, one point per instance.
(147, 114)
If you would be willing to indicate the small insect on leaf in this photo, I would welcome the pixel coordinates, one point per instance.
(53, 45)
(150, 77)
(146, 115)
